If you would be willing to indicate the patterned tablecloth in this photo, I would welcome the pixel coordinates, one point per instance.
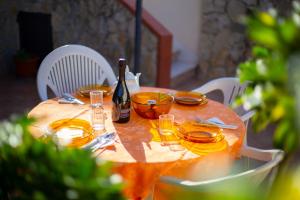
(139, 156)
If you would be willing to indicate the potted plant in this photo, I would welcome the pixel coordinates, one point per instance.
(26, 63)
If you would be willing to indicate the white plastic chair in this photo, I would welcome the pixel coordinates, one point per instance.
(229, 86)
(174, 188)
(70, 67)
(271, 159)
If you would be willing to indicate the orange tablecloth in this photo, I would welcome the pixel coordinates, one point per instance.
(138, 156)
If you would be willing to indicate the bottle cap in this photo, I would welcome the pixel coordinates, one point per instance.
(122, 62)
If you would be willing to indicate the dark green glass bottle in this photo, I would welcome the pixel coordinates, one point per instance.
(121, 97)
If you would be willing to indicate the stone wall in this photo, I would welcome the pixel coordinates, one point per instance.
(104, 25)
(223, 42)
(108, 27)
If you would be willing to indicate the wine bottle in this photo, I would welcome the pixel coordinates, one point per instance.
(121, 97)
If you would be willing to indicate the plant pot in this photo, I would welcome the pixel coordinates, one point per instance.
(27, 67)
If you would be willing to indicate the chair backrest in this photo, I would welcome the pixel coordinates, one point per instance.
(173, 188)
(70, 67)
(230, 87)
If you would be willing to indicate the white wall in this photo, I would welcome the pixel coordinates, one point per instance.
(181, 17)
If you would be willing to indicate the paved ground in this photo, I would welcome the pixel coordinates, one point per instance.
(17, 95)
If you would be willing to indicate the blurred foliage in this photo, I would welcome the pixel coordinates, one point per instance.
(271, 74)
(287, 186)
(32, 169)
(230, 190)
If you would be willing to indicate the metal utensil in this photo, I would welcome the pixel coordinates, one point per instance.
(64, 101)
(216, 121)
(101, 141)
(69, 98)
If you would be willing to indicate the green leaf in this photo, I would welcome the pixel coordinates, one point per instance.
(280, 134)
(288, 31)
(266, 19)
(260, 121)
(260, 52)
(247, 71)
(262, 34)
(291, 141)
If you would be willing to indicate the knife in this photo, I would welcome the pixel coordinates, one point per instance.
(221, 124)
(64, 101)
(70, 98)
(216, 122)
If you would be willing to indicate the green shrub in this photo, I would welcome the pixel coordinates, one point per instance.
(274, 73)
(33, 169)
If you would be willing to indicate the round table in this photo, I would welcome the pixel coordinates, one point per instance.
(139, 156)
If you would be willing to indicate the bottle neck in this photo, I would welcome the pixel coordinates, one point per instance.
(122, 73)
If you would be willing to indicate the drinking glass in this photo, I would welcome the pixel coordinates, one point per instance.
(98, 115)
(96, 97)
(166, 130)
(166, 122)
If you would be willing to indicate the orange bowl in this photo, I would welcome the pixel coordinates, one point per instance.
(150, 105)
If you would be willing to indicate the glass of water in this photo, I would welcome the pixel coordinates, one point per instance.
(98, 115)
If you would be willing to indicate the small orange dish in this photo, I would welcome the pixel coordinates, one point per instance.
(194, 131)
(190, 98)
(85, 90)
(150, 105)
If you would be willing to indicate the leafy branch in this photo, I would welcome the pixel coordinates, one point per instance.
(270, 72)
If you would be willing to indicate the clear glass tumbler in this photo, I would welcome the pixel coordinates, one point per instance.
(166, 122)
(98, 115)
(167, 133)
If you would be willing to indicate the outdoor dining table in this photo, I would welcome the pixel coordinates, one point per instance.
(138, 155)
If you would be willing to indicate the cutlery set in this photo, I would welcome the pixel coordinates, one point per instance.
(69, 99)
(101, 141)
(216, 121)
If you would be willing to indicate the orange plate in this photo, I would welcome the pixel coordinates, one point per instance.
(190, 98)
(85, 91)
(71, 132)
(193, 131)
